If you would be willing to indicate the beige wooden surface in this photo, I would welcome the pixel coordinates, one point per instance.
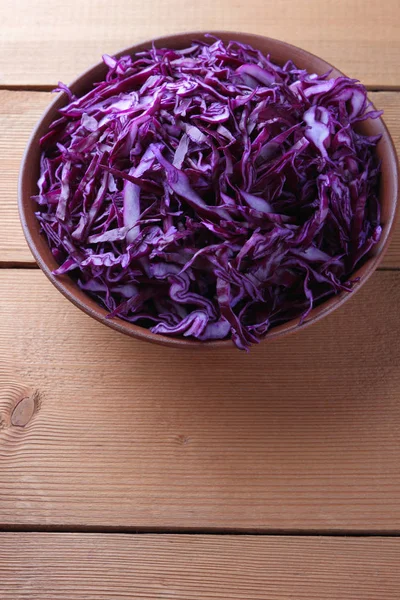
(42, 42)
(113, 567)
(302, 434)
(100, 432)
(20, 110)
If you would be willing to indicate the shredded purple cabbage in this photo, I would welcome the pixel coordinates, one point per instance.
(208, 192)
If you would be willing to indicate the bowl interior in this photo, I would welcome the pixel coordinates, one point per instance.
(280, 52)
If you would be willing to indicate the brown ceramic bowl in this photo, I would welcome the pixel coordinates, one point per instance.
(280, 52)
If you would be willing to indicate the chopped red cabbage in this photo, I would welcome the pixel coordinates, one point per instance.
(209, 192)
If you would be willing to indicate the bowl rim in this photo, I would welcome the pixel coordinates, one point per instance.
(72, 292)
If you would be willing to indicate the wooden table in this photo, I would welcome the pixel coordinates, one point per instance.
(137, 472)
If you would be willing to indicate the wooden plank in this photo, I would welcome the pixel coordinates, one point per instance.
(41, 43)
(111, 567)
(390, 104)
(301, 434)
(19, 111)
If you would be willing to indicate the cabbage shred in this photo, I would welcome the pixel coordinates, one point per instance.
(208, 192)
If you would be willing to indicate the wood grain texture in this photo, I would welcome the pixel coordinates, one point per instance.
(19, 111)
(43, 42)
(301, 434)
(112, 567)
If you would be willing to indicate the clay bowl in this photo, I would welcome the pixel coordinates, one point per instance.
(280, 52)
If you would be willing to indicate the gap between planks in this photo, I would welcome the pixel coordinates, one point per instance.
(211, 532)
